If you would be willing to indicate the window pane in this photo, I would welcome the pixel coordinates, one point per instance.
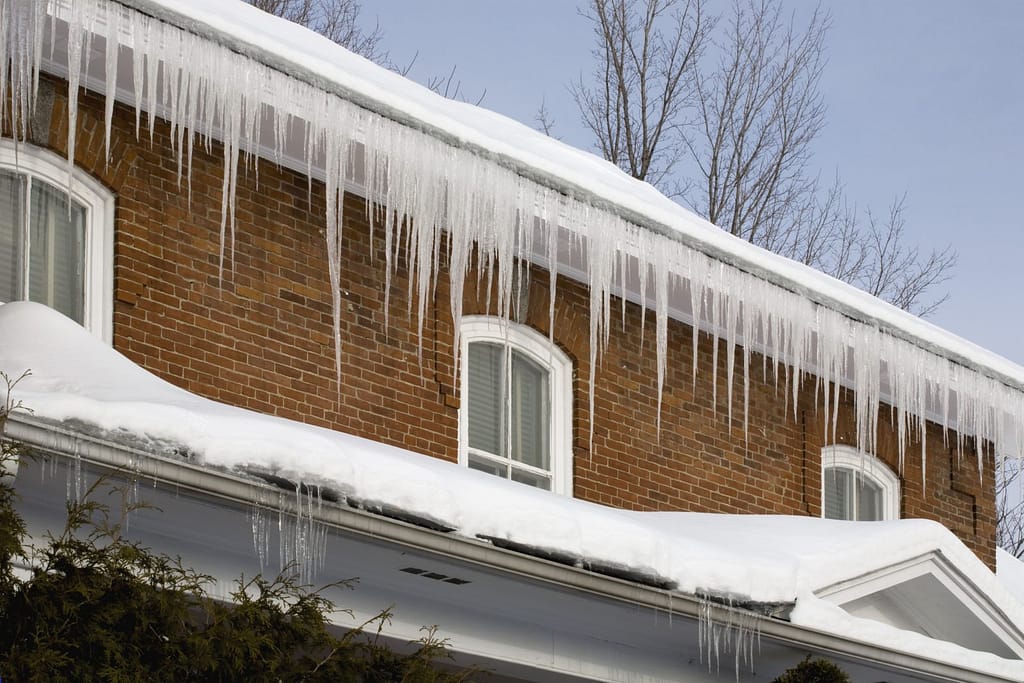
(12, 205)
(508, 413)
(531, 479)
(486, 378)
(530, 412)
(869, 500)
(837, 493)
(57, 251)
(487, 465)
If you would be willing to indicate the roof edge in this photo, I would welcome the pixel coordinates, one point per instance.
(62, 441)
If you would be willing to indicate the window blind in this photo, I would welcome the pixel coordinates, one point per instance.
(486, 381)
(57, 252)
(869, 500)
(12, 205)
(530, 412)
(837, 493)
(509, 407)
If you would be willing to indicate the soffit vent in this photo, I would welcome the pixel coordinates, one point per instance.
(427, 574)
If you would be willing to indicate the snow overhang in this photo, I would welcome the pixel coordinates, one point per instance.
(929, 595)
(517, 614)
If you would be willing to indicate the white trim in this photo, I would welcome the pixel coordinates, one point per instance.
(98, 288)
(868, 466)
(889, 580)
(539, 349)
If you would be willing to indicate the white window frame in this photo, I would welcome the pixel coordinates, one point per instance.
(539, 349)
(867, 466)
(98, 269)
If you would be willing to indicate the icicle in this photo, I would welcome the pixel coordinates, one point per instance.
(747, 348)
(600, 264)
(21, 42)
(739, 634)
(731, 332)
(113, 21)
(335, 205)
(151, 75)
(625, 258)
(661, 286)
(260, 531)
(551, 218)
(697, 307)
(75, 482)
(302, 538)
(76, 29)
(645, 256)
(715, 293)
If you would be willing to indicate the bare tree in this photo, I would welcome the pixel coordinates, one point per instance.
(334, 19)
(736, 103)
(447, 86)
(642, 81)
(1010, 507)
(544, 121)
(758, 110)
(868, 251)
(898, 272)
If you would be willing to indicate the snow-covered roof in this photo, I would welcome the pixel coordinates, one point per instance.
(258, 83)
(1010, 571)
(77, 380)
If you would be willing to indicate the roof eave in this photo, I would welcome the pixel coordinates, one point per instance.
(62, 441)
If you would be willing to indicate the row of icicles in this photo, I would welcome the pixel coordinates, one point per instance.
(203, 89)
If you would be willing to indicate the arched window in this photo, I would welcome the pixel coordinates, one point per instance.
(857, 486)
(516, 407)
(53, 251)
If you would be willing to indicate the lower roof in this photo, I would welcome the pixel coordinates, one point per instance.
(517, 616)
(767, 564)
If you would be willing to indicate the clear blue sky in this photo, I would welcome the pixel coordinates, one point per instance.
(924, 97)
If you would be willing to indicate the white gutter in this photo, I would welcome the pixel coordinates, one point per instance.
(61, 441)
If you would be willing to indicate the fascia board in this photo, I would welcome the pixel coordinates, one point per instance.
(865, 584)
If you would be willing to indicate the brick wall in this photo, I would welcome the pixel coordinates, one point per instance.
(261, 338)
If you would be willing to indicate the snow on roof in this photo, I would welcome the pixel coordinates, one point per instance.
(476, 175)
(1010, 571)
(747, 558)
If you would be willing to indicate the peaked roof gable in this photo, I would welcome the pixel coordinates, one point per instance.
(930, 595)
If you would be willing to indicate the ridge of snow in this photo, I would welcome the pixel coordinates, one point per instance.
(759, 558)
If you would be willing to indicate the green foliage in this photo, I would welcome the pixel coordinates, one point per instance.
(813, 671)
(12, 527)
(97, 607)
